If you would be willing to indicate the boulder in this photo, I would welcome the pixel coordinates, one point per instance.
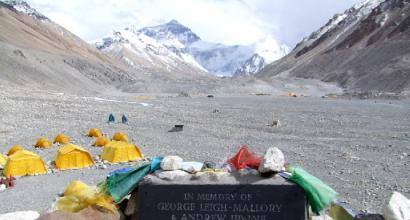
(273, 161)
(21, 215)
(171, 175)
(171, 163)
(398, 208)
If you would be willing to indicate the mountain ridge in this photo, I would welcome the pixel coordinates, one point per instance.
(181, 41)
(365, 49)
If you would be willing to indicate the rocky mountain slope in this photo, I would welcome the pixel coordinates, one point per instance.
(37, 53)
(365, 49)
(178, 48)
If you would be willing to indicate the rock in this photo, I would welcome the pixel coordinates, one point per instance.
(322, 217)
(368, 216)
(103, 166)
(273, 161)
(192, 166)
(171, 163)
(212, 175)
(22, 215)
(132, 204)
(245, 172)
(209, 165)
(171, 175)
(2, 187)
(398, 208)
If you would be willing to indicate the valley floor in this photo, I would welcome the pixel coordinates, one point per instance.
(359, 147)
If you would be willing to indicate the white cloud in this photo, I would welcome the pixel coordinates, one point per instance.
(224, 21)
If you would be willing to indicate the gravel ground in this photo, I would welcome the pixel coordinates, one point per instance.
(359, 147)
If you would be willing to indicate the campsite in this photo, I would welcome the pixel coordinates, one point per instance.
(361, 173)
(204, 110)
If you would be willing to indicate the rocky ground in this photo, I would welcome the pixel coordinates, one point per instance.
(359, 147)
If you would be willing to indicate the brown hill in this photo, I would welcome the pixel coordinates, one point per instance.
(366, 49)
(37, 53)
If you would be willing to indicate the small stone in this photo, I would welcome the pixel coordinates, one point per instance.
(2, 187)
(248, 171)
(209, 165)
(171, 175)
(273, 161)
(132, 204)
(103, 167)
(171, 163)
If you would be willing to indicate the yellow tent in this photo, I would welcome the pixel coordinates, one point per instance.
(120, 136)
(95, 132)
(43, 142)
(71, 156)
(3, 160)
(291, 94)
(62, 139)
(14, 149)
(119, 151)
(101, 141)
(23, 163)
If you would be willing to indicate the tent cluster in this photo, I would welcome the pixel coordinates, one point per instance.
(21, 162)
(125, 181)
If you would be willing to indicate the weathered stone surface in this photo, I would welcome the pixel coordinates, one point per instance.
(171, 163)
(368, 216)
(273, 161)
(398, 208)
(233, 197)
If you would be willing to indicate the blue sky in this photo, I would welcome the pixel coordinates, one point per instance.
(223, 21)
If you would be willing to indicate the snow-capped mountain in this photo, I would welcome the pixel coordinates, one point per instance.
(159, 46)
(267, 51)
(366, 48)
(251, 66)
(173, 44)
(37, 53)
(22, 6)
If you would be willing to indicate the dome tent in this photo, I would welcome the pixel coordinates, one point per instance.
(14, 149)
(71, 156)
(119, 151)
(95, 132)
(62, 139)
(3, 160)
(101, 141)
(120, 136)
(43, 142)
(23, 163)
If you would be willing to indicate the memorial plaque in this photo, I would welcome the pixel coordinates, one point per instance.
(221, 202)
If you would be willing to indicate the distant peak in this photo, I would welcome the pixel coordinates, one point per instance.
(24, 7)
(174, 22)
